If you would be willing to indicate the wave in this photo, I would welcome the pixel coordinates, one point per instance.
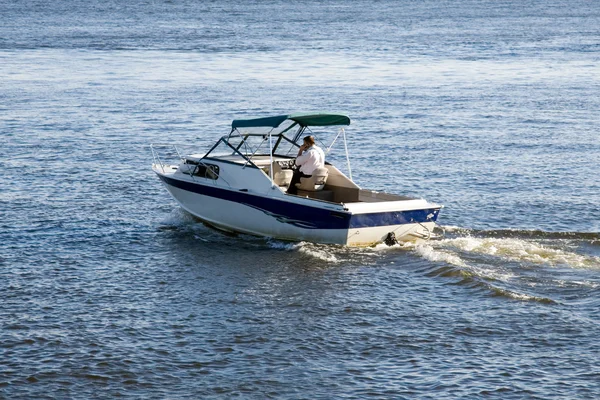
(523, 233)
(527, 252)
(499, 292)
(529, 247)
(456, 245)
(489, 281)
(177, 219)
(513, 263)
(319, 252)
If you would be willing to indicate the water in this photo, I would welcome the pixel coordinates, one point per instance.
(109, 289)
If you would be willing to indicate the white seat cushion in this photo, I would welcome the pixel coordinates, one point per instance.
(316, 181)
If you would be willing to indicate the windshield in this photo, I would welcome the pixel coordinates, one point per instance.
(250, 142)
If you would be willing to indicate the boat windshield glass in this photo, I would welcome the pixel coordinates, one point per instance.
(255, 140)
(250, 144)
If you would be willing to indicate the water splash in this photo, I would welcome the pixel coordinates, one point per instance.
(177, 219)
(520, 296)
(320, 252)
(430, 253)
(487, 271)
(529, 234)
(280, 245)
(523, 251)
(512, 263)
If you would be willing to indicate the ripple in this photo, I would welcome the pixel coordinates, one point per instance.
(526, 251)
(109, 290)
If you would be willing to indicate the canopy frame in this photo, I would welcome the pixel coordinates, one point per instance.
(300, 120)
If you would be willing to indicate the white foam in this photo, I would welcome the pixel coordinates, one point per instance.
(522, 296)
(432, 254)
(429, 253)
(178, 217)
(593, 285)
(306, 248)
(318, 253)
(384, 247)
(452, 228)
(323, 256)
(520, 250)
(277, 244)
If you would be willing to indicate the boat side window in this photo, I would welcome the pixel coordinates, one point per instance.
(209, 171)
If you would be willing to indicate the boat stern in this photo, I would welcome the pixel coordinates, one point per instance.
(404, 221)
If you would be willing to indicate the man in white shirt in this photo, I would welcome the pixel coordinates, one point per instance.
(310, 157)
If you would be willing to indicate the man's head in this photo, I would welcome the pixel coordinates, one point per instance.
(309, 141)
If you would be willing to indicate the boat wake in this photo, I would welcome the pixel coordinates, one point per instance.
(529, 248)
(524, 233)
(518, 264)
(545, 267)
(525, 252)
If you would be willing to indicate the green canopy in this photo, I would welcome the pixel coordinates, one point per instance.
(303, 119)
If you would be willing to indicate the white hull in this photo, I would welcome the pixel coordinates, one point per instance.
(236, 217)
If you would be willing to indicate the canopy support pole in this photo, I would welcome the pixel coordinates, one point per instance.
(271, 158)
(347, 155)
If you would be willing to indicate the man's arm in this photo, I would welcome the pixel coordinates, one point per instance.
(301, 158)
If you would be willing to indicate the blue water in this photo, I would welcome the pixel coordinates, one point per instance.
(109, 290)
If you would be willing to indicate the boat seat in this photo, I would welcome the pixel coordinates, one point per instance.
(282, 177)
(315, 182)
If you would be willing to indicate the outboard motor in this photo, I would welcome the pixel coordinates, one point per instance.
(390, 239)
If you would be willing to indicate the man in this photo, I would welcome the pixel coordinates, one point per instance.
(310, 157)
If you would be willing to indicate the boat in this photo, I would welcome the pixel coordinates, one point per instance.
(240, 186)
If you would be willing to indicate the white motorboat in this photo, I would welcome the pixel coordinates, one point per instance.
(240, 185)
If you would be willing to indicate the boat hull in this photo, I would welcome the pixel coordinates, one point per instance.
(297, 219)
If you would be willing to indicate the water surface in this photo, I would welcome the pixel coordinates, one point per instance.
(109, 289)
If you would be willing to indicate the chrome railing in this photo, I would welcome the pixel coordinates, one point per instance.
(172, 151)
(156, 153)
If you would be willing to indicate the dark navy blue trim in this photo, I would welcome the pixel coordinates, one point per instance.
(304, 216)
(296, 214)
(393, 218)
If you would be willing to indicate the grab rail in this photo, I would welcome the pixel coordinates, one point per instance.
(156, 157)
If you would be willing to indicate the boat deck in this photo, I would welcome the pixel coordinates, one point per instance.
(340, 190)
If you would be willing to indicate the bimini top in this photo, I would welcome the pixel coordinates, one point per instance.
(302, 119)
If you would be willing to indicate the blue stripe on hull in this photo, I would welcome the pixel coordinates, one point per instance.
(299, 215)
(304, 216)
(393, 218)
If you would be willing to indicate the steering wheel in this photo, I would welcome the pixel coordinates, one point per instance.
(292, 164)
